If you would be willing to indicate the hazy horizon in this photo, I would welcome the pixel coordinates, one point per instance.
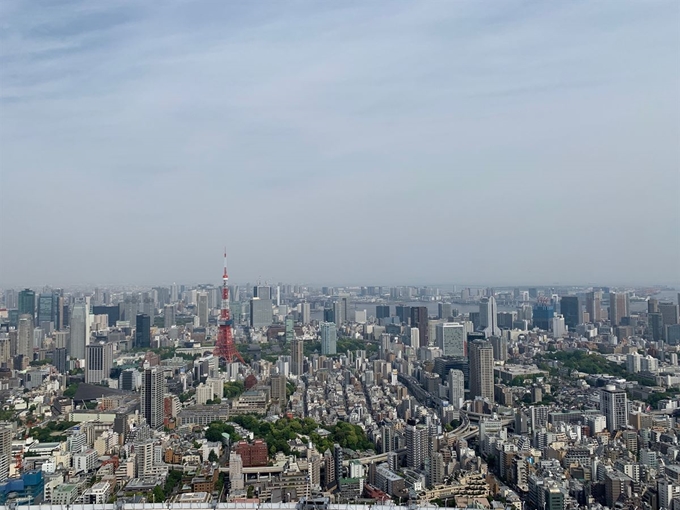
(495, 143)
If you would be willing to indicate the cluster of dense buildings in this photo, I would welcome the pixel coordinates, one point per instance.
(456, 397)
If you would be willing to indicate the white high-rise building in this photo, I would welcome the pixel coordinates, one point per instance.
(414, 338)
(5, 451)
(559, 329)
(614, 405)
(236, 473)
(456, 382)
(305, 313)
(488, 318)
(79, 330)
(451, 338)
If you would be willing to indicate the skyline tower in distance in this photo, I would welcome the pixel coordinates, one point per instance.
(225, 347)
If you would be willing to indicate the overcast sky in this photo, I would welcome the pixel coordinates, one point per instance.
(340, 142)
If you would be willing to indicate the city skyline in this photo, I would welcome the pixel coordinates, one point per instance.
(385, 143)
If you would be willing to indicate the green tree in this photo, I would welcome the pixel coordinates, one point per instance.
(251, 491)
(212, 457)
(158, 494)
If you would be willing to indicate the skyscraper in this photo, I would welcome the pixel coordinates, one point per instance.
(98, 362)
(169, 316)
(260, 312)
(329, 338)
(419, 319)
(451, 338)
(481, 369)
(25, 336)
(152, 396)
(382, 311)
(594, 305)
(80, 330)
(296, 355)
(614, 405)
(340, 311)
(47, 308)
(445, 311)
(669, 311)
(305, 313)
(500, 347)
(456, 383)
(416, 444)
(618, 307)
(543, 314)
(5, 450)
(488, 320)
(27, 303)
(142, 331)
(203, 310)
(570, 308)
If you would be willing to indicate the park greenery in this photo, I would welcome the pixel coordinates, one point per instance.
(51, 432)
(278, 434)
(233, 389)
(342, 346)
(590, 363)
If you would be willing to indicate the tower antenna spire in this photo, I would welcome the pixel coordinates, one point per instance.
(225, 346)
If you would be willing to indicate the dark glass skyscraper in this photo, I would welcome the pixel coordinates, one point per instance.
(143, 330)
(570, 308)
(543, 315)
(27, 303)
(419, 319)
(382, 311)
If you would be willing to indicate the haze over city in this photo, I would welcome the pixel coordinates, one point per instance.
(342, 143)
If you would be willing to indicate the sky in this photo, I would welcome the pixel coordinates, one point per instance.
(471, 142)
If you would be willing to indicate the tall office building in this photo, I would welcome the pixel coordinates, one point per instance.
(614, 405)
(278, 389)
(382, 311)
(656, 326)
(500, 347)
(305, 313)
(153, 389)
(451, 338)
(543, 314)
(142, 331)
(340, 311)
(47, 308)
(652, 305)
(27, 303)
(594, 305)
(618, 307)
(456, 383)
(329, 338)
(5, 450)
(169, 319)
(25, 336)
(481, 369)
(416, 444)
(297, 359)
(98, 362)
(60, 360)
(79, 330)
(445, 311)
(570, 308)
(260, 313)
(262, 292)
(488, 320)
(669, 312)
(419, 319)
(202, 309)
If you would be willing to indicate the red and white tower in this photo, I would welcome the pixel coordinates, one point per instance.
(225, 346)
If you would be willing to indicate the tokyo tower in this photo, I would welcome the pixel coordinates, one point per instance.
(225, 347)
